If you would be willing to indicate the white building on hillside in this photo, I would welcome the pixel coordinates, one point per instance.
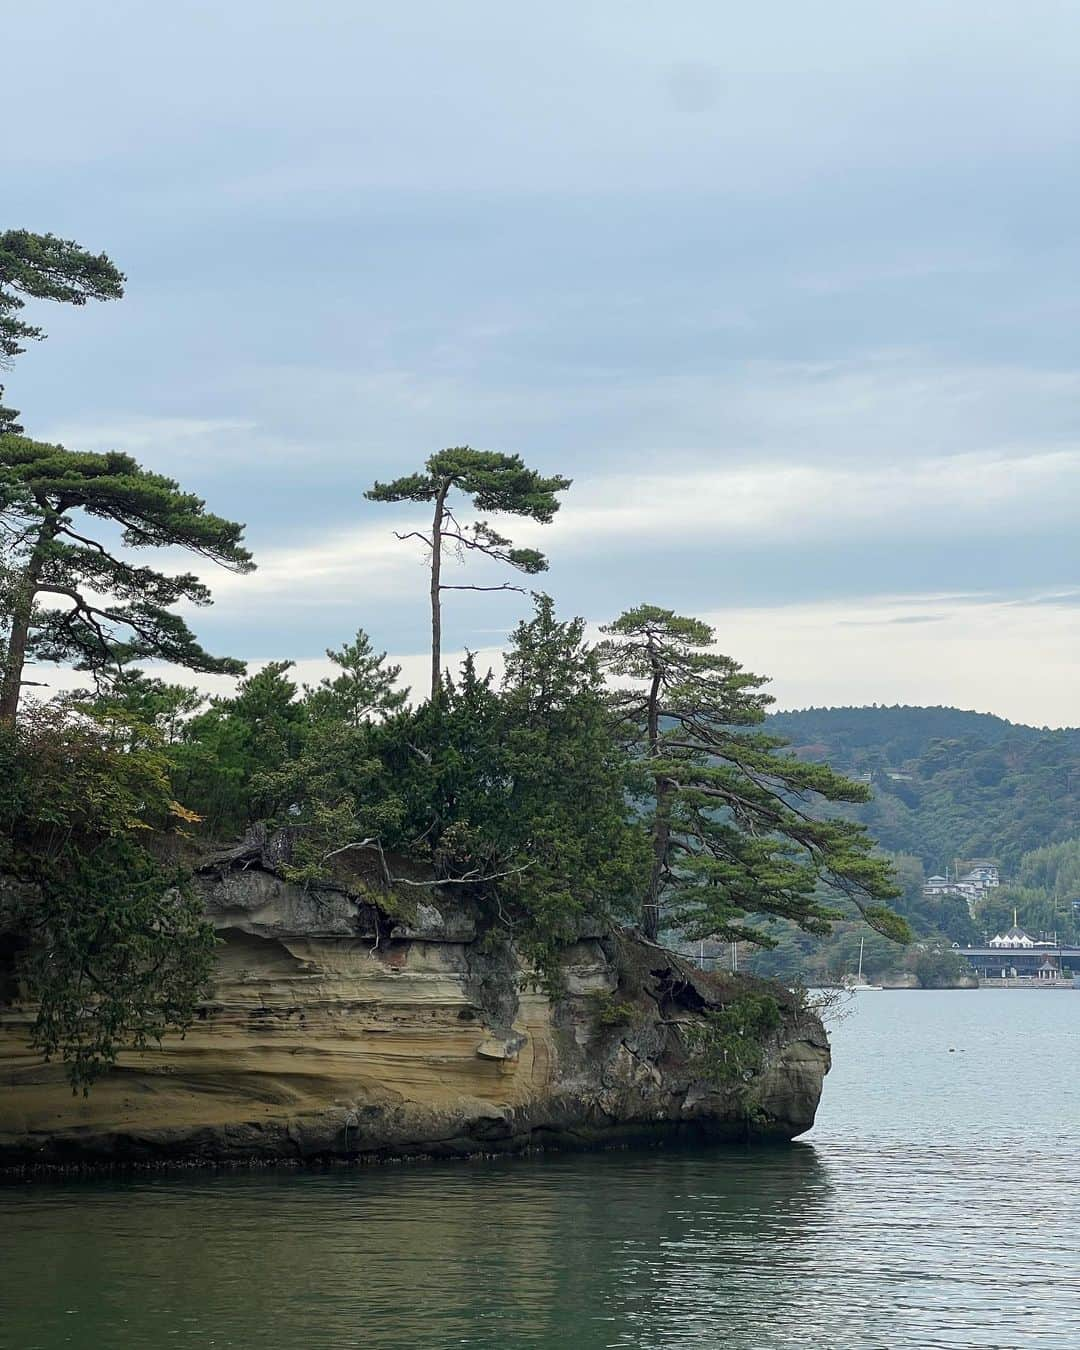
(981, 877)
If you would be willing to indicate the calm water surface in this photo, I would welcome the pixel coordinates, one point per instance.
(934, 1204)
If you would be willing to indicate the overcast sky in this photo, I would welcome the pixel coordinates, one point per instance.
(790, 290)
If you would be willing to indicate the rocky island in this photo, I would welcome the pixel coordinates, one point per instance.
(343, 1028)
(442, 932)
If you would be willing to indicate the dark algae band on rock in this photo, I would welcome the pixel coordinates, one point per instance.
(339, 1030)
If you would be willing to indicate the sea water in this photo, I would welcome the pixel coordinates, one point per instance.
(934, 1203)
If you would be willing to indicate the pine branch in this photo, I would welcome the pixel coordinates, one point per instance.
(506, 586)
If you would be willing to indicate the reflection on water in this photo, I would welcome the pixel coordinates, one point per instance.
(897, 1225)
(603, 1250)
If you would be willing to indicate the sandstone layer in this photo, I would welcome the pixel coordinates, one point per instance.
(336, 1030)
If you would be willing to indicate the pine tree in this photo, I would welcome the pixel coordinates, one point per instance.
(43, 267)
(564, 803)
(115, 611)
(493, 482)
(229, 748)
(365, 689)
(734, 823)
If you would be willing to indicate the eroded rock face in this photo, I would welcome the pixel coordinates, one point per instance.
(336, 1030)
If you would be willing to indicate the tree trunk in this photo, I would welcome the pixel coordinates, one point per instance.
(436, 593)
(22, 611)
(661, 831)
(650, 919)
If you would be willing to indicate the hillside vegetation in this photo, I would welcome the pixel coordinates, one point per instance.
(968, 784)
(947, 785)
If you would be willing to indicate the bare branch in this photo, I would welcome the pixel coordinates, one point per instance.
(506, 586)
(82, 539)
(362, 843)
(375, 846)
(466, 880)
(414, 534)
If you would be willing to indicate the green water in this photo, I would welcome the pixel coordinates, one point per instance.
(934, 1204)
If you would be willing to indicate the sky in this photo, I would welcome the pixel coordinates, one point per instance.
(789, 291)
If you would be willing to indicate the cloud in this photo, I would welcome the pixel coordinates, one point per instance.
(1057, 600)
(360, 565)
(899, 269)
(163, 439)
(987, 653)
(769, 507)
(788, 292)
(990, 654)
(902, 619)
(960, 495)
(573, 386)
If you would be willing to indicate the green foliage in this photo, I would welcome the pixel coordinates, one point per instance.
(1041, 910)
(972, 786)
(494, 482)
(609, 1012)
(564, 814)
(331, 788)
(365, 689)
(43, 267)
(861, 737)
(517, 794)
(940, 968)
(149, 707)
(934, 924)
(946, 917)
(727, 1046)
(229, 752)
(735, 823)
(521, 791)
(110, 943)
(887, 923)
(47, 268)
(102, 610)
(1050, 876)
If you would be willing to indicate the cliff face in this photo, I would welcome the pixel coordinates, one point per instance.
(337, 1031)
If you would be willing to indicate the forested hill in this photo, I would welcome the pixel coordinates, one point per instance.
(949, 783)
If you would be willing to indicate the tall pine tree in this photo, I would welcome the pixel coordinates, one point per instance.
(735, 824)
(492, 482)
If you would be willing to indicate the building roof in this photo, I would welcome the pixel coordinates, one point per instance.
(1015, 937)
